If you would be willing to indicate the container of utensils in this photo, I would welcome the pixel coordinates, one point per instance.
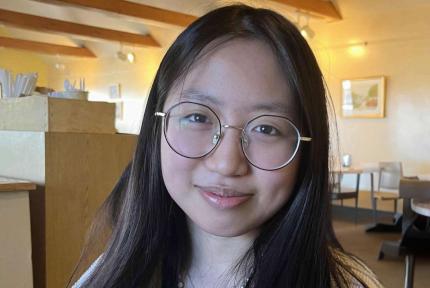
(70, 92)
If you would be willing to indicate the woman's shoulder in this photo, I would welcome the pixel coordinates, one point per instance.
(355, 270)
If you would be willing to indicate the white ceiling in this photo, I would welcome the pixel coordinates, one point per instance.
(164, 33)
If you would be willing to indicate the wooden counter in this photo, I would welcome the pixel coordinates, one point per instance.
(11, 185)
(69, 148)
(74, 173)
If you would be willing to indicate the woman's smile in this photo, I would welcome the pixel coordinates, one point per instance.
(223, 197)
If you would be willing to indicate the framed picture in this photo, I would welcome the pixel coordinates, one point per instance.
(115, 91)
(363, 98)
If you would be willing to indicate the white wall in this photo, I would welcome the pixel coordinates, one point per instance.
(100, 73)
(398, 48)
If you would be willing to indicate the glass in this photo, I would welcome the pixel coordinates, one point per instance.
(193, 130)
(346, 160)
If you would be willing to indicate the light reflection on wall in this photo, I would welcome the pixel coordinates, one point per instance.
(357, 50)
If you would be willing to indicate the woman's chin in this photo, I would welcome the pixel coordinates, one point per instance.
(227, 229)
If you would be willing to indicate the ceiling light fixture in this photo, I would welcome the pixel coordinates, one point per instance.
(129, 56)
(306, 30)
(121, 55)
(59, 65)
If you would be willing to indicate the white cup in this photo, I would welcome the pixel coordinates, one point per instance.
(346, 160)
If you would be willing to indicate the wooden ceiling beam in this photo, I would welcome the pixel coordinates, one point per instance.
(132, 9)
(45, 48)
(38, 23)
(322, 8)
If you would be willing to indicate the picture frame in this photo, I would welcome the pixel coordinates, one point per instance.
(363, 97)
(115, 91)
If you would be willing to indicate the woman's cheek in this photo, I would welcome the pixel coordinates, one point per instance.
(177, 170)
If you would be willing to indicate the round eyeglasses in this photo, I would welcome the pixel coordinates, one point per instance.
(193, 130)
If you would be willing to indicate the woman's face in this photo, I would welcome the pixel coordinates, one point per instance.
(222, 193)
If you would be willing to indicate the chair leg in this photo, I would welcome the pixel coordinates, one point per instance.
(356, 208)
(409, 270)
(375, 210)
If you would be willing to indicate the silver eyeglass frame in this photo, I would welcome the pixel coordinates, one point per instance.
(243, 140)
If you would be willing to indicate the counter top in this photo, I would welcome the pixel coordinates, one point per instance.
(11, 184)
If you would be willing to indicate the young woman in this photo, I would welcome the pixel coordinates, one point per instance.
(229, 182)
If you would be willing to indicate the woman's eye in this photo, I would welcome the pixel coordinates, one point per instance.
(267, 129)
(196, 118)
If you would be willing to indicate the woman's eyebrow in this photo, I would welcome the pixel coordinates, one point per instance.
(192, 94)
(276, 107)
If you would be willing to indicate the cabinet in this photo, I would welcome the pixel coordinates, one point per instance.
(15, 237)
(74, 168)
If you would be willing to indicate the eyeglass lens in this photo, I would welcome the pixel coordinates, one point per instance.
(268, 141)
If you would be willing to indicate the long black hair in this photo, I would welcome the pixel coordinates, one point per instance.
(148, 243)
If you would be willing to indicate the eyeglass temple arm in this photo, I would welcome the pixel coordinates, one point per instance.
(306, 139)
(160, 114)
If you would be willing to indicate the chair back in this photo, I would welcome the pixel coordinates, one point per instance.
(390, 174)
(414, 188)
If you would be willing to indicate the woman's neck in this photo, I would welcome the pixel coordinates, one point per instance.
(213, 257)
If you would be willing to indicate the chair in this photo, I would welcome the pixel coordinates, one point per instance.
(415, 237)
(340, 193)
(389, 179)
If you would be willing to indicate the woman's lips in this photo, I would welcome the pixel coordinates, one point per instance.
(221, 198)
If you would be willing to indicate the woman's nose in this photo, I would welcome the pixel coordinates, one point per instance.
(228, 159)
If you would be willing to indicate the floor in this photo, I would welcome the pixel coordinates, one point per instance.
(366, 246)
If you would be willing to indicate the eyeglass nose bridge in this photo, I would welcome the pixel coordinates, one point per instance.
(217, 136)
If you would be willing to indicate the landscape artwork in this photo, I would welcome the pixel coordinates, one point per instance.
(363, 98)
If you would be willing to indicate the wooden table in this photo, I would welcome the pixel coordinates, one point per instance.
(367, 168)
(15, 233)
(349, 170)
(371, 169)
(422, 207)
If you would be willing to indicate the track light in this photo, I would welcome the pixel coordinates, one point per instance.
(59, 65)
(121, 55)
(307, 32)
(129, 57)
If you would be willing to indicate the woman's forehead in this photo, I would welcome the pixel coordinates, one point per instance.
(241, 73)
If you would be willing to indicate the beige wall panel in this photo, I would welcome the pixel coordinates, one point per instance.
(15, 240)
(24, 113)
(22, 155)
